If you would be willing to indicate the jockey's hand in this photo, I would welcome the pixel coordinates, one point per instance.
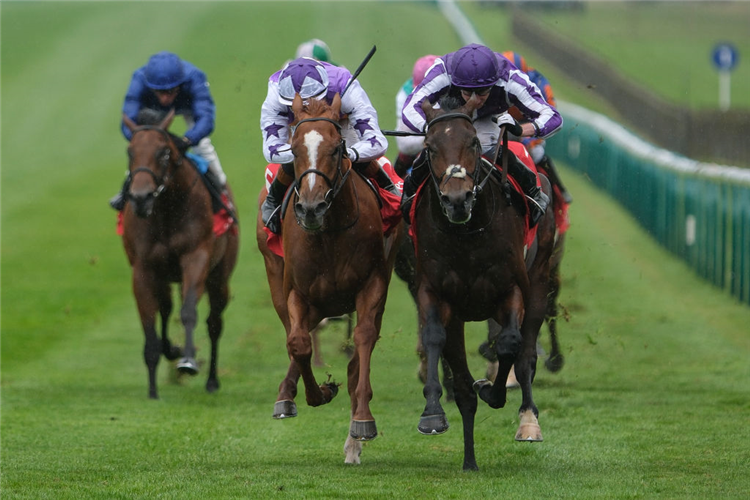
(353, 154)
(186, 142)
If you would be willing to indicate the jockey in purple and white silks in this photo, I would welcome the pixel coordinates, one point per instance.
(313, 79)
(475, 69)
(167, 82)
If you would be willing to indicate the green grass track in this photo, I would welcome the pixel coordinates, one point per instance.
(653, 401)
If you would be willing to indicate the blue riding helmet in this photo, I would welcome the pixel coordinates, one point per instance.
(474, 66)
(164, 71)
(304, 76)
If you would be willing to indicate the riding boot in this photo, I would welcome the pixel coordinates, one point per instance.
(419, 172)
(218, 189)
(403, 164)
(270, 210)
(526, 178)
(554, 177)
(118, 201)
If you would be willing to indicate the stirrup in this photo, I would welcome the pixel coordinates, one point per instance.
(274, 221)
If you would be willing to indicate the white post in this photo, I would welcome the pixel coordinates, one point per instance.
(724, 89)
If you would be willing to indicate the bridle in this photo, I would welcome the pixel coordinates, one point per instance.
(457, 171)
(334, 185)
(161, 184)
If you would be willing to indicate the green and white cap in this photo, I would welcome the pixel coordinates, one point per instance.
(316, 49)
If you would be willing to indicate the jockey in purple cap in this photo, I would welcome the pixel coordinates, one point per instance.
(167, 82)
(475, 69)
(313, 79)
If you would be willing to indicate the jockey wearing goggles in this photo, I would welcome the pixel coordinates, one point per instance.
(500, 85)
(167, 82)
(313, 79)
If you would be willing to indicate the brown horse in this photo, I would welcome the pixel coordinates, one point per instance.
(336, 261)
(471, 267)
(168, 238)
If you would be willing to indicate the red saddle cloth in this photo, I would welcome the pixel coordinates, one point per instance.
(223, 222)
(520, 151)
(390, 211)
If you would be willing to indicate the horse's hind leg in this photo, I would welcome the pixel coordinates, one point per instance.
(507, 346)
(218, 296)
(171, 352)
(466, 399)
(555, 360)
(144, 284)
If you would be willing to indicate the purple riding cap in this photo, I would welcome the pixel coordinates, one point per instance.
(474, 66)
(306, 77)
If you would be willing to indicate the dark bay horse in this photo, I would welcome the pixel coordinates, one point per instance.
(168, 237)
(470, 266)
(336, 261)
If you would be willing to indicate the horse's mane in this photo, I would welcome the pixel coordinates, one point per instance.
(150, 116)
(450, 103)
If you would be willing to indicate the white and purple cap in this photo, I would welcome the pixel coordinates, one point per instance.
(304, 76)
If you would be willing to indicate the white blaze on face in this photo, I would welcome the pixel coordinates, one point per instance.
(312, 141)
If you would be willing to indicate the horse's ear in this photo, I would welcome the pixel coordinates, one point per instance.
(167, 121)
(336, 104)
(128, 122)
(429, 111)
(297, 105)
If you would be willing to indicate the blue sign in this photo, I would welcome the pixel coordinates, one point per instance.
(725, 57)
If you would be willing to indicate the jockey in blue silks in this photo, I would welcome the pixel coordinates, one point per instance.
(475, 69)
(313, 79)
(167, 82)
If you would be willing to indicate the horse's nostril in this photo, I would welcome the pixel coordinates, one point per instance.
(321, 208)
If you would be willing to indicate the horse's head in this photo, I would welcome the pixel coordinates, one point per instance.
(454, 154)
(320, 162)
(150, 154)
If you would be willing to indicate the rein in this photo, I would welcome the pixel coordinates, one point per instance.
(334, 185)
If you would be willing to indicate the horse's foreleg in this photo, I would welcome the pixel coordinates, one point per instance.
(194, 273)
(433, 420)
(144, 286)
(466, 400)
(299, 346)
(218, 296)
(370, 304)
(507, 346)
(171, 352)
(285, 407)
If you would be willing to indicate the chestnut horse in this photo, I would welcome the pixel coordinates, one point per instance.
(336, 261)
(470, 266)
(168, 237)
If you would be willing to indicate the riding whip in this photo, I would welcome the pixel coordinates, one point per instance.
(359, 69)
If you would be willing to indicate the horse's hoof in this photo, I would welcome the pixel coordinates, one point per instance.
(512, 381)
(363, 430)
(554, 364)
(212, 386)
(187, 366)
(432, 425)
(483, 388)
(334, 388)
(284, 409)
(528, 429)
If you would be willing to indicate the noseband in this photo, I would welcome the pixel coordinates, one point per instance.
(335, 184)
(160, 183)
